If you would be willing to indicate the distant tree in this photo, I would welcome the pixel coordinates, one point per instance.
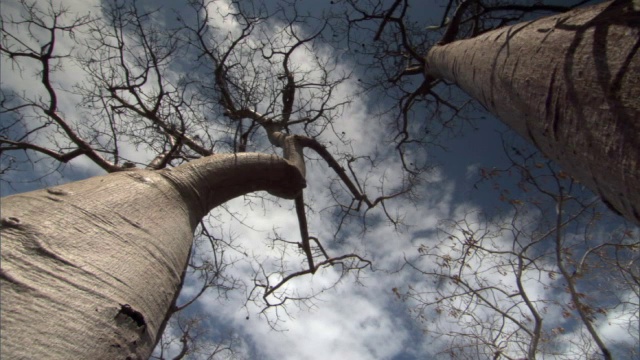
(191, 338)
(559, 81)
(541, 280)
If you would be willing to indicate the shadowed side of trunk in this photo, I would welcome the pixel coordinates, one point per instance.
(568, 83)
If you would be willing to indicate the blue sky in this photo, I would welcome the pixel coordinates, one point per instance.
(359, 318)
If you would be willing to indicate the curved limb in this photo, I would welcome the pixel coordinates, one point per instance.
(304, 231)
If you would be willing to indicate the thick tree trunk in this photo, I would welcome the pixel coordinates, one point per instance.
(570, 84)
(72, 255)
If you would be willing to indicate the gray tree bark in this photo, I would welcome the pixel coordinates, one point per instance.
(570, 84)
(74, 255)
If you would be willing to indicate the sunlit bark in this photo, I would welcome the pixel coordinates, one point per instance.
(73, 255)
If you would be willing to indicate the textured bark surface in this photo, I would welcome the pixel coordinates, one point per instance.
(72, 255)
(570, 84)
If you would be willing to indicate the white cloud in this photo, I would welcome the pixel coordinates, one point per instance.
(621, 324)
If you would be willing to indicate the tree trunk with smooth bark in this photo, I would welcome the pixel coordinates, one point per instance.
(91, 269)
(568, 83)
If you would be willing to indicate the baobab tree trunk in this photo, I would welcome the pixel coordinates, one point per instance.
(570, 84)
(73, 255)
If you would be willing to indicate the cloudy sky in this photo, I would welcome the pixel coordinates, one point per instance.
(345, 317)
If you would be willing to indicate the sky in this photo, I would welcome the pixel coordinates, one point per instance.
(348, 317)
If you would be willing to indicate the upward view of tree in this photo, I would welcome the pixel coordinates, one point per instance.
(186, 110)
(579, 109)
(115, 257)
(566, 83)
